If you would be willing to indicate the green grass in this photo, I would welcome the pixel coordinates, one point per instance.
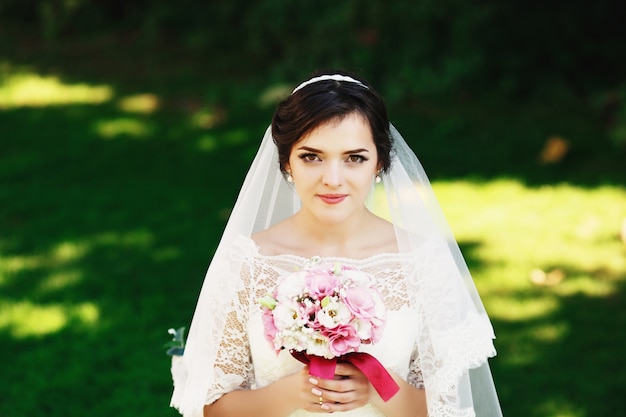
(559, 339)
(114, 191)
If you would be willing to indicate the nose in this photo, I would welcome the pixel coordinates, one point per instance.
(333, 175)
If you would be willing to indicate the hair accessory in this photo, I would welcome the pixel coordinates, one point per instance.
(336, 77)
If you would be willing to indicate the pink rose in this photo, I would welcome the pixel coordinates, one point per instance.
(308, 313)
(377, 331)
(268, 324)
(342, 339)
(290, 286)
(360, 301)
(321, 282)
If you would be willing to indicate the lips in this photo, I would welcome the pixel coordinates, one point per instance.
(332, 198)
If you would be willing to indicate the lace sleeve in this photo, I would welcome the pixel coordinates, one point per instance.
(233, 365)
(454, 337)
(415, 377)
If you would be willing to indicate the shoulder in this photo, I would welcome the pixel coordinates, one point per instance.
(237, 252)
(381, 235)
(273, 240)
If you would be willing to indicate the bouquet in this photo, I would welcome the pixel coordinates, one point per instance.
(322, 314)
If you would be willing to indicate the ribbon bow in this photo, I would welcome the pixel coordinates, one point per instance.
(375, 372)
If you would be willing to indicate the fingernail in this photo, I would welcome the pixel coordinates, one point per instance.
(325, 407)
(313, 381)
(317, 392)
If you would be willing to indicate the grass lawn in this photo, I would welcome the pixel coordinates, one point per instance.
(113, 194)
(550, 267)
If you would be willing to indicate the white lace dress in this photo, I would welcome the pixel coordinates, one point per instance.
(410, 284)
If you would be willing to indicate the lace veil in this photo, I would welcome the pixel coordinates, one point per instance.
(460, 336)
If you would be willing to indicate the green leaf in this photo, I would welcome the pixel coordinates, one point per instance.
(268, 301)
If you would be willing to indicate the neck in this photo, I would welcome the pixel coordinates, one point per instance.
(332, 238)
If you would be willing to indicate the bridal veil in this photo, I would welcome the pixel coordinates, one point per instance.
(459, 336)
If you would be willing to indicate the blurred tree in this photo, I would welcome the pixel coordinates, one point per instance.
(431, 48)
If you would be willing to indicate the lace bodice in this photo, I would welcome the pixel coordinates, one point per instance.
(247, 360)
(424, 341)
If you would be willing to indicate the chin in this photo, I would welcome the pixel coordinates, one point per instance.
(332, 218)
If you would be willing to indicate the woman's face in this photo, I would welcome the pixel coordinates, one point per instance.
(333, 168)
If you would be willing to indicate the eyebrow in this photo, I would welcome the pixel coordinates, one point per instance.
(353, 151)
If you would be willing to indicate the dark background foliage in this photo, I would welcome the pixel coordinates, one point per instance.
(431, 47)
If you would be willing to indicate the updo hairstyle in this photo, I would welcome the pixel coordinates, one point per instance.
(327, 101)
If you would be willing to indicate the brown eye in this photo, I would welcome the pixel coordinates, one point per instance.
(356, 159)
(309, 157)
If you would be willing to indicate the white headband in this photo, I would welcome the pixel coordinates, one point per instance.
(336, 77)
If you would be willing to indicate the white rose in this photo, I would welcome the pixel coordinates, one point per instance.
(333, 314)
(286, 315)
(291, 285)
(318, 345)
(363, 329)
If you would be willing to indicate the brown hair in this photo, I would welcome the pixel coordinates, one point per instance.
(323, 101)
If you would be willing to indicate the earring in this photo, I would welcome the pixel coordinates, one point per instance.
(377, 179)
(289, 178)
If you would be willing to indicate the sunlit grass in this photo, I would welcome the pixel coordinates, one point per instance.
(28, 319)
(29, 89)
(206, 118)
(66, 252)
(139, 103)
(123, 127)
(274, 94)
(561, 408)
(57, 272)
(510, 231)
(522, 228)
(553, 226)
(519, 309)
(59, 255)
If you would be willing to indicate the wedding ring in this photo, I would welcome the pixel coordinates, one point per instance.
(321, 401)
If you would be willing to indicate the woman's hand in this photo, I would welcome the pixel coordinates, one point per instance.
(349, 390)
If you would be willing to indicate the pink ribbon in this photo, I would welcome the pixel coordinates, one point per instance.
(375, 372)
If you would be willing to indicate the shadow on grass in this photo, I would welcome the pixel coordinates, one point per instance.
(104, 245)
(578, 370)
(568, 361)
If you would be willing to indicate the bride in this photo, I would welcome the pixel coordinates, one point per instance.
(333, 179)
